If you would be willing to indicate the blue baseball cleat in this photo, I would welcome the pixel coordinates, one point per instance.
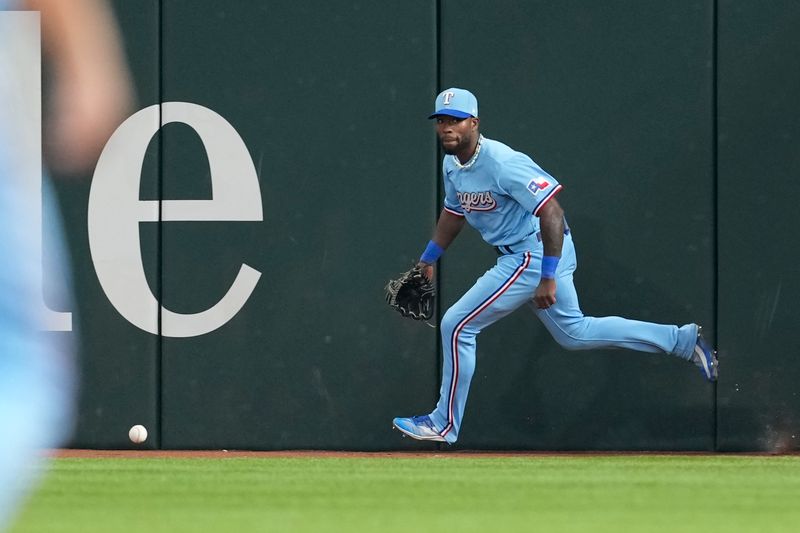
(705, 357)
(418, 427)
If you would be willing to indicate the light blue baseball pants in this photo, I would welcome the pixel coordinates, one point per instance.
(510, 284)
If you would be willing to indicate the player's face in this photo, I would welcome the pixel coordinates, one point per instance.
(457, 135)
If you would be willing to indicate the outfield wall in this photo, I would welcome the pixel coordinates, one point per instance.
(673, 129)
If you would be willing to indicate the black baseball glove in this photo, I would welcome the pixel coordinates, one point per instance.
(412, 295)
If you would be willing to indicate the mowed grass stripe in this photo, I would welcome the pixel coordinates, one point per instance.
(548, 494)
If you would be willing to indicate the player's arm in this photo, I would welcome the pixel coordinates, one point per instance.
(551, 222)
(447, 229)
(93, 92)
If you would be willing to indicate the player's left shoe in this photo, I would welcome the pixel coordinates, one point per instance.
(705, 358)
(418, 427)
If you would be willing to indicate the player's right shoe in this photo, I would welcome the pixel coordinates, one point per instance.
(418, 427)
(705, 358)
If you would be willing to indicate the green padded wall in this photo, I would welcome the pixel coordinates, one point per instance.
(330, 101)
(615, 100)
(119, 363)
(759, 163)
(658, 119)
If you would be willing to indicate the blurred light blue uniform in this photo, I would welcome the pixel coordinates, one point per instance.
(500, 192)
(36, 367)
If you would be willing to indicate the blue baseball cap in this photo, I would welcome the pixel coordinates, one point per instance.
(454, 102)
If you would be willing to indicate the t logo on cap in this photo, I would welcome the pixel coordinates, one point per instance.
(455, 102)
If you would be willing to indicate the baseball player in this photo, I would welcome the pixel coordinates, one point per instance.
(37, 374)
(512, 202)
(35, 370)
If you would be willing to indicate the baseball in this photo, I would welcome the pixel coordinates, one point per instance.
(137, 434)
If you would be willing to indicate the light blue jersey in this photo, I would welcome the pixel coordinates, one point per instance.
(499, 191)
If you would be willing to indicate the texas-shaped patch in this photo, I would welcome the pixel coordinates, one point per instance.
(537, 184)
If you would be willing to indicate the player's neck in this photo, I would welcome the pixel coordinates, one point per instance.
(465, 155)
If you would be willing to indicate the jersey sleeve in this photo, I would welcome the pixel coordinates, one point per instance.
(451, 203)
(527, 183)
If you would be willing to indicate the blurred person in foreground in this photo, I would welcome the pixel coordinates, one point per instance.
(91, 95)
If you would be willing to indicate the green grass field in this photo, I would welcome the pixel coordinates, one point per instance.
(436, 493)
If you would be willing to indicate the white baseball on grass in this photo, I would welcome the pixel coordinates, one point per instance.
(137, 434)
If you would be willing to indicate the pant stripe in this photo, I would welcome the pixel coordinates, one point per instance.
(454, 337)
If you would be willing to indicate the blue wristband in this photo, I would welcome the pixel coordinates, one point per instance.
(549, 266)
(432, 252)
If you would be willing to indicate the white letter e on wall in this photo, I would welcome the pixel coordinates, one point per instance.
(115, 212)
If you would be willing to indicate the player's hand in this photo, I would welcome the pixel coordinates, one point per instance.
(545, 294)
(427, 269)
